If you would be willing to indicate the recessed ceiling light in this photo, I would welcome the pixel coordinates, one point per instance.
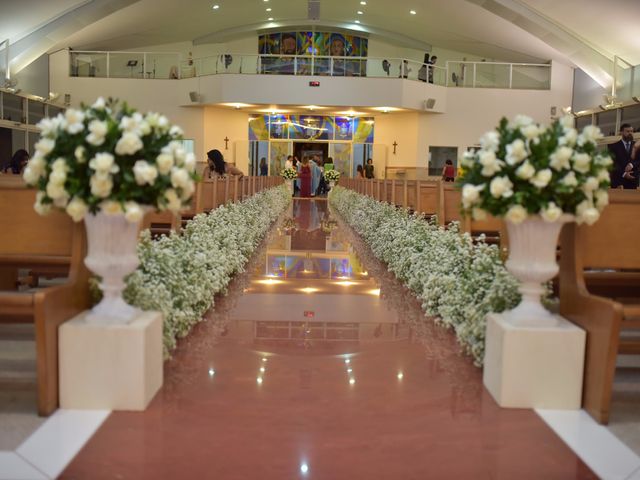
(412, 12)
(357, 21)
(363, 3)
(216, 7)
(359, 12)
(268, 9)
(270, 19)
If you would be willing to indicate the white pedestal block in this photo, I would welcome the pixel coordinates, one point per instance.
(534, 367)
(115, 367)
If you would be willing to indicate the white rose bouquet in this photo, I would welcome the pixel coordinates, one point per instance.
(112, 159)
(332, 175)
(525, 169)
(289, 173)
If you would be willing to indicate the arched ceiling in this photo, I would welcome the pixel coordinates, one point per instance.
(586, 33)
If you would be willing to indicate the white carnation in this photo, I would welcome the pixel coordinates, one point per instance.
(569, 138)
(567, 122)
(516, 214)
(39, 207)
(471, 194)
(521, 121)
(190, 162)
(31, 175)
(489, 162)
(128, 144)
(56, 191)
(101, 185)
(187, 190)
(551, 213)
(98, 131)
(164, 162)
(542, 178)
(603, 176)
(174, 204)
(526, 171)
(77, 209)
(60, 165)
(176, 131)
(58, 177)
(45, 145)
(99, 104)
(104, 163)
(516, 152)
(559, 159)
(74, 120)
(179, 177)
(531, 132)
(144, 173)
(590, 133)
(602, 199)
(591, 184)
(501, 187)
(133, 212)
(111, 207)
(581, 162)
(570, 180)
(80, 153)
(490, 141)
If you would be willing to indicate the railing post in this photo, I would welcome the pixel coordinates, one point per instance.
(511, 75)
(226, 188)
(108, 65)
(418, 202)
(144, 64)
(405, 194)
(393, 192)
(215, 193)
(474, 75)
(235, 189)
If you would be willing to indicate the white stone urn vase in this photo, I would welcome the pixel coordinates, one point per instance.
(289, 183)
(111, 245)
(532, 260)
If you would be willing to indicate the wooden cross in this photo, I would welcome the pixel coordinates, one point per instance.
(226, 143)
(395, 144)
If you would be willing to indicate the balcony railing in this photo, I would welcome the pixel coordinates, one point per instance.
(171, 66)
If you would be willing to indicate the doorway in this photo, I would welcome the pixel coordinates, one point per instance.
(309, 149)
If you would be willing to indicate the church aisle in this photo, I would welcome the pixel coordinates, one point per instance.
(319, 365)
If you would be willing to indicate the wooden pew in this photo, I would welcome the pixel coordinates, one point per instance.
(609, 244)
(161, 223)
(31, 241)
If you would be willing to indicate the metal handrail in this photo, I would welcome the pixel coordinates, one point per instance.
(284, 64)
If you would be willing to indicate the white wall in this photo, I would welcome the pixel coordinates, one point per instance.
(224, 123)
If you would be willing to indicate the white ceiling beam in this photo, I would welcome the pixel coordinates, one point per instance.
(594, 60)
(40, 40)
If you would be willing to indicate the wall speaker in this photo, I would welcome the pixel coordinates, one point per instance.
(194, 96)
(429, 103)
(554, 110)
(313, 10)
(67, 99)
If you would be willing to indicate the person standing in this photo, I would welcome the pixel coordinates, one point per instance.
(625, 169)
(359, 172)
(264, 168)
(433, 61)
(17, 163)
(368, 169)
(305, 178)
(448, 171)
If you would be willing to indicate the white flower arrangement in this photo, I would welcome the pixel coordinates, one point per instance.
(525, 169)
(289, 173)
(111, 159)
(180, 274)
(332, 175)
(457, 280)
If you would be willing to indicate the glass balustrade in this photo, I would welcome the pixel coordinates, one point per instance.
(452, 74)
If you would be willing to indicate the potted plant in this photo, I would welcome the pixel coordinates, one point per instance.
(289, 174)
(108, 164)
(332, 176)
(536, 178)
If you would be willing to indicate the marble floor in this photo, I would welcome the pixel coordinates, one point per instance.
(319, 365)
